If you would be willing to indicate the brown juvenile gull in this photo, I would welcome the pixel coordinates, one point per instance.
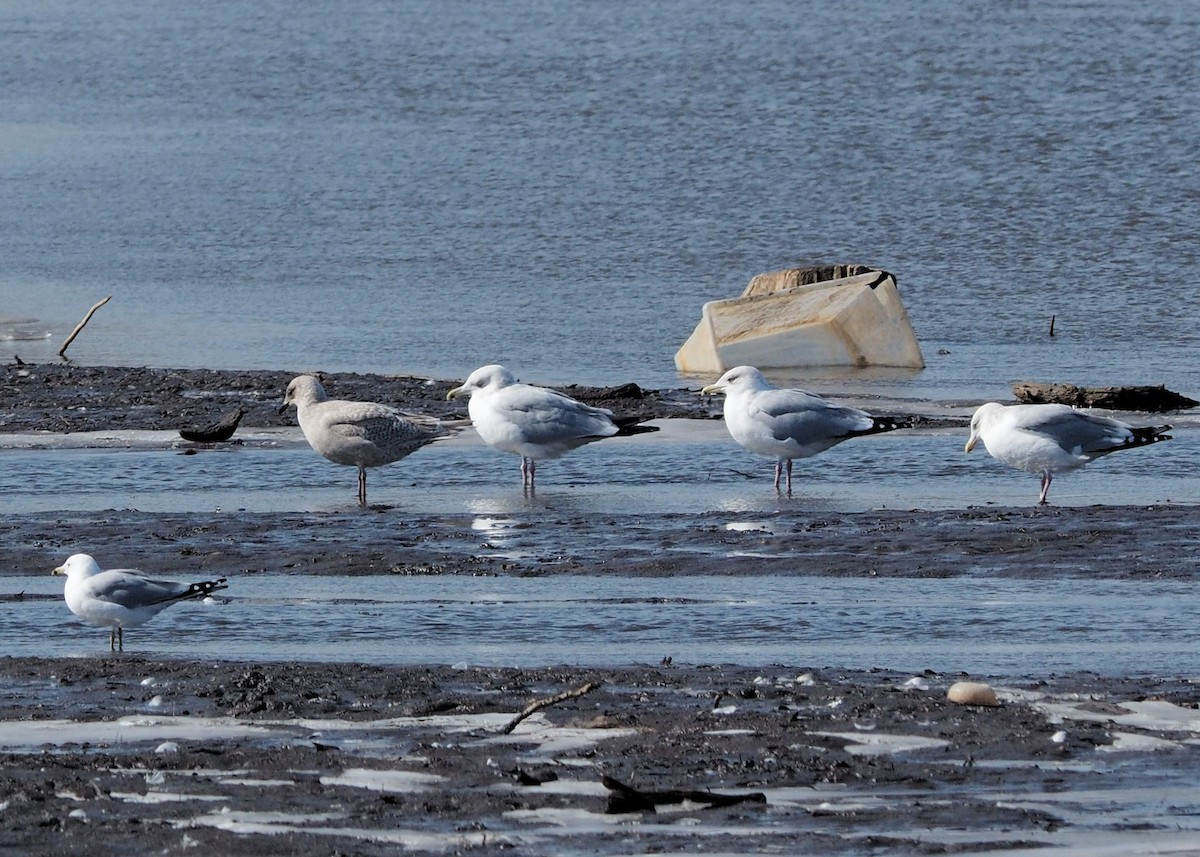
(123, 598)
(533, 422)
(787, 424)
(360, 434)
(1048, 439)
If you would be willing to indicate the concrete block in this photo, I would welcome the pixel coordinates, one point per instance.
(781, 321)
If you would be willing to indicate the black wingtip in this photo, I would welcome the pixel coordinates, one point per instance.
(627, 426)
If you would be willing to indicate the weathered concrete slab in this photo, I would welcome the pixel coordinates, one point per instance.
(790, 318)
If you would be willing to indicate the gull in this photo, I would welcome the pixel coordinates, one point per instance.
(1048, 439)
(787, 424)
(123, 598)
(361, 434)
(533, 422)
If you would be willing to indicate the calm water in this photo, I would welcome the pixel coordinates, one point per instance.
(987, 627)
(428, 186)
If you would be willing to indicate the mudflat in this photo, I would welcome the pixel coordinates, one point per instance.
(139, 756)
(125, 755)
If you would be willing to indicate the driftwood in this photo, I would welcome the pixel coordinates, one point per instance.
(215, 433)
(623, 798)
(539, 704)
(63, 351)
(1150, 398)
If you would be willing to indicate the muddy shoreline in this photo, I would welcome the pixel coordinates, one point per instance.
(69, 398)
(438, 776)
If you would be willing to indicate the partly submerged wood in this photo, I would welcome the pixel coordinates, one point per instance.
(1151, 398)
(800, 317)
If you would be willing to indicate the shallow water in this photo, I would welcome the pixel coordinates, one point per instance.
(685, 496)
(1011, 628)
(688, 467)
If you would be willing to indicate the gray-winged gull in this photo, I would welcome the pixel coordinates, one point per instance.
(533, 422)
(1048, 439)
(787, 424)
(358, 434)
(123, 598)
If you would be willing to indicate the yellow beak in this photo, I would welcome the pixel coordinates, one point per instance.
(974, 439)
(712, 388)
(455, 393)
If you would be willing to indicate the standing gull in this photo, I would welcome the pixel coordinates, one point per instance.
(1048, 439)
(123, 598)
(787, 424)
(361, 434)
(533, 422)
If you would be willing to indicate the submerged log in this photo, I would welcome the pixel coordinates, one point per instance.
(1154, 398)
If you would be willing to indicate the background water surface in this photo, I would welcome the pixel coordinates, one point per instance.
(426, 186)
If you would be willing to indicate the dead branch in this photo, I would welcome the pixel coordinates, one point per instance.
(625, 798)
(62, 351)
(539, 704)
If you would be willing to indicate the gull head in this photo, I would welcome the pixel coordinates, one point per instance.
(303, 390)
(739, 379)
(485, 378)
(78, 565)
(981, 416)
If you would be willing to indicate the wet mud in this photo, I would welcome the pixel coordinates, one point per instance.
(788, 738)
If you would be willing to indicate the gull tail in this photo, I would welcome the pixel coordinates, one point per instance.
(1145, 435)
(201, 590)
(882, 424)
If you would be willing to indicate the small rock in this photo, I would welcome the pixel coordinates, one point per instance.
(972, 693)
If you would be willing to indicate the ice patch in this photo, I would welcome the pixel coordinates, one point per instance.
(860, 744)
(391, 782)
(29, 735)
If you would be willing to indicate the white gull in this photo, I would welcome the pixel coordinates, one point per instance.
(123, 598)
(533, 422)
(1049, 439)
(787, 424)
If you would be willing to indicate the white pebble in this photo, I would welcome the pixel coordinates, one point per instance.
(1059, 737)
(972, 693)
(167, 747)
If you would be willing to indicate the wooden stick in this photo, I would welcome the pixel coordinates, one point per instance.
(539, 704)
(62, 351)
(625, 798)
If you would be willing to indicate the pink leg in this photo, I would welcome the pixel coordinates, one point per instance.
(1046, 477)
(528, 475)
(789, 477)
(778, 473)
